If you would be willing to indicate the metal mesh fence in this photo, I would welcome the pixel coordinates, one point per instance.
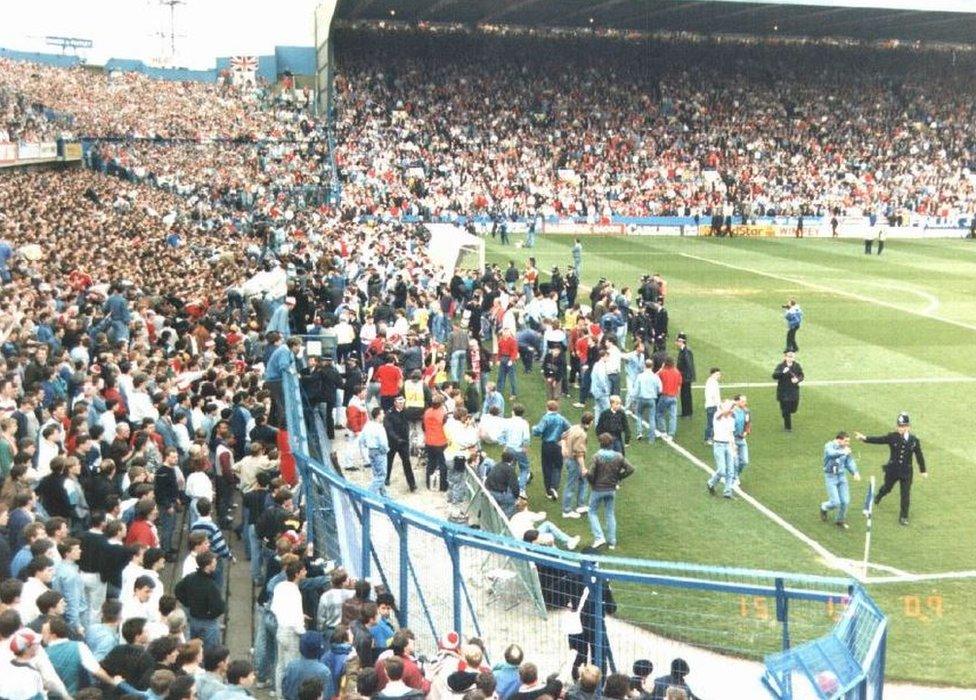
(565, 608)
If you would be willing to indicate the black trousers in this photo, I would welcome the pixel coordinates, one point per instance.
(552, 465)
(403, 450)
(330, 420)
(277, 417)
(436, 462)
(791, 345)
(788, 408)
(905, 482)
(686, 407)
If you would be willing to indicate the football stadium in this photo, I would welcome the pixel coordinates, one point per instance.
(487, 350)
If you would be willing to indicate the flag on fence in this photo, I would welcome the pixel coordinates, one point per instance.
(869, 500)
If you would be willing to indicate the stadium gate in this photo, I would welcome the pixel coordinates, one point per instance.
(820, 637)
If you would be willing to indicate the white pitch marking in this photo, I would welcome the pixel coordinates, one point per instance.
(829, 557)
(830, 290)
(921, 578)
(854, 382)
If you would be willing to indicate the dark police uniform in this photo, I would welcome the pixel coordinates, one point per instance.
(899, 466)
(686, 365)
(788, 393)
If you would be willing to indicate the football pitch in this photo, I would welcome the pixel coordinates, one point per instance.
(881, 334)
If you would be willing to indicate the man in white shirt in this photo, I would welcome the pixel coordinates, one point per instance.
(137, 603)
(48, 447)
(19, 679)
(198, 543)
(139, 403)
(524, 520)
(286, 604)
(713, 397)
(40, 573)
(723, 448)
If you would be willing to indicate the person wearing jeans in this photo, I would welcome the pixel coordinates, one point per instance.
(508, 353)
(199, 594)
(667, 403)
(837, 464)
(600, 386)
(743, 426)
(515, 436)
(502, 483)
(376, 444)
(647, 388)
(435, 441)
(575, 495)
(723, 448)
(551, 429)
(713, 397)
(525, 521)
(457, 345)
(604, 474)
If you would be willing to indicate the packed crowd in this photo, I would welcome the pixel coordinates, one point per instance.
(462, 124)
(95, 103)
(147, 323)
(144, 346)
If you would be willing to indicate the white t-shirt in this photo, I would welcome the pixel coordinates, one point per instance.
(198, 485)
(713, 393)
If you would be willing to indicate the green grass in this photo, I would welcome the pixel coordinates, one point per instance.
(726, 296)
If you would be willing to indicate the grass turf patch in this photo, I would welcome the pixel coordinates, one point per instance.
(726, 295)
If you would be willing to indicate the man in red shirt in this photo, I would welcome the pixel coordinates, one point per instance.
(435, 441)
(507, 355)
(667, 402)
(143, 528)
(390, 378)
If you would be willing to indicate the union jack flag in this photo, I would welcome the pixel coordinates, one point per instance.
(245, 64)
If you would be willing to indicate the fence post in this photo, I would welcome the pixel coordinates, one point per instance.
(783, 611)
(450, 539)
(366, 541)
(403, 600)
(306, 475)
(594, 583)
(879, 665)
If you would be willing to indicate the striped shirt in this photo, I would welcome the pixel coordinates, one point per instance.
(218, 545)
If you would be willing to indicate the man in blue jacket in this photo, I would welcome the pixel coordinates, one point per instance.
(837, 464)
(794, 317)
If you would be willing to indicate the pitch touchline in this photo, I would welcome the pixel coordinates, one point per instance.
(832, 559)
(853, 382)
(830, 290)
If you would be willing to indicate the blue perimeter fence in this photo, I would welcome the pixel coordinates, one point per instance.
(820, 637)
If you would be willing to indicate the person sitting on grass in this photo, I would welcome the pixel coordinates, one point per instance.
(526, 523)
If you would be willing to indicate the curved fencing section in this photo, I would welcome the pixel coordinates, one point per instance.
(821, 637)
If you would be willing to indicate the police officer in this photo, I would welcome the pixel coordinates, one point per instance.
(837, 464)
(686, 365)
(788, 375)
(902, 445)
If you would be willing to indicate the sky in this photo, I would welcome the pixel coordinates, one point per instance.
(132, 28)
(209, 28)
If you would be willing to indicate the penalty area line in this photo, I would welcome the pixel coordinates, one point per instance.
(829, 290)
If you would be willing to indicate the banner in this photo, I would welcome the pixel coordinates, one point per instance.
(72, 151)
(571, 228)
(29, 151)
(243, 69)
(8, 152)
(49, 149)
(743, 230)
